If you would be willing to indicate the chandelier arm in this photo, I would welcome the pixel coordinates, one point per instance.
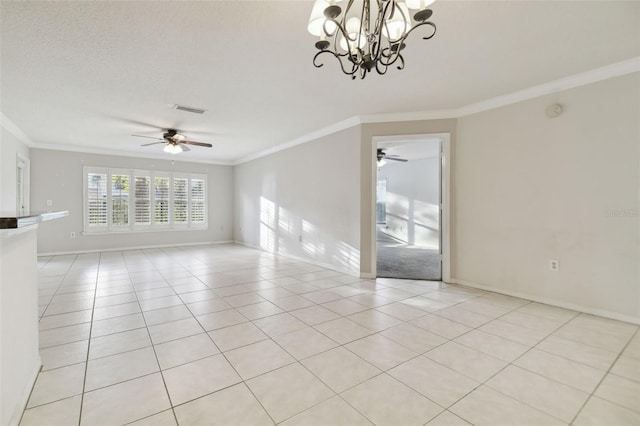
(431, 24)
(339, 57)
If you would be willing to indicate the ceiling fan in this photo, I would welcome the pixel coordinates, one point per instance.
(175, 142)
(382, 156)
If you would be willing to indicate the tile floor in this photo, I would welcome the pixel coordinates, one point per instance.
(232, 336)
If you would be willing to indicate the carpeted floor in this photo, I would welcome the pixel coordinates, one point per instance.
(396, 259)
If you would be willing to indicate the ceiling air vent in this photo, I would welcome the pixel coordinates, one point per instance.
(190, 109)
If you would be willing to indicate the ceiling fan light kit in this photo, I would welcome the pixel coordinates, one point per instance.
(365, 39)
(175, 143)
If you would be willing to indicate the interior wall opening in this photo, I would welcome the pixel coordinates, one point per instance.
(409, 209)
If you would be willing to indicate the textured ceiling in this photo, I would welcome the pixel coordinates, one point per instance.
(89, 74)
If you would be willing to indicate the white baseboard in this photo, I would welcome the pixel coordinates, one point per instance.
(147, 247)
(16, 416)
(302, 259)
(557, 303)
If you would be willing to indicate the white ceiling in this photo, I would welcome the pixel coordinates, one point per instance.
(88, 74)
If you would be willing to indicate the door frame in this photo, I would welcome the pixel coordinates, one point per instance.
(445, 196)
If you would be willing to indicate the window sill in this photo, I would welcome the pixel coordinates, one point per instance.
(145, 231)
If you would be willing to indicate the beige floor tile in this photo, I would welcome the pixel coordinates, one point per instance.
(304, 343)
(119, 342)
(275, 325)
(63, 412)
(117, 325)
(160, 316)
(471, 363)
(381, 351)
(57, 384)
(63, 320)
(207, 306)
(486, 407)
(447, 418)
(155, 293)
(627, 367)
(401, 311)
(441, 326)
(598, 412)
(595, 338)
(343, 330)
(379, 399)
(259, 310)
(559, 400)
(236, 336)
(117, 368)
(313, 315)
(575, 374)
(288, 391)
(468, 318)
(235, 405)
(291, 303)
(198, 296)
(221, 319)
(344, 307)
(340, 369)
(415, 338)
(374, 320)
(322, 296)
(243, 299)
(517, 333)
(490, 344)
(115, 311)
(621, 391)
(371, 300)
(187, 349)
(165, 418)
(198, 378)
(174, 330)
(604, 325)
(258, 358)
(63, 355)
(125, 402)
(116, 299)
(547, 311)
(62, 335)
(435, 381)
(589, 355)
(532, 321)
(334, 412)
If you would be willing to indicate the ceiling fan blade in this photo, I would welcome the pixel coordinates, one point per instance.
(404, 160)
(149, 137)
(184, 148)
(152, 143)
(208, 145)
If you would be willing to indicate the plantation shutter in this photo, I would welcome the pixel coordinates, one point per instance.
(142, 209)
(161, 200)
(97, 200)
(119, 200)
(180, 200)
(197, 201)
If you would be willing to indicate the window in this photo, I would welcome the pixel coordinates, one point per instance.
(137, 200)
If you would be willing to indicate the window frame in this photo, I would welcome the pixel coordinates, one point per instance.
(132, 226)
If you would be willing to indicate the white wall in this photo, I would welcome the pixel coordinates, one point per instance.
(309, 191)
(413, 200)
(58, 176)
(530, 189)
(10, 147)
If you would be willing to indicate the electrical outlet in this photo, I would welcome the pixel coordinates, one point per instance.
(554, 265)
(72, 235)
(49, 203)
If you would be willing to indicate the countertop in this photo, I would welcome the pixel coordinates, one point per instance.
(13, 222)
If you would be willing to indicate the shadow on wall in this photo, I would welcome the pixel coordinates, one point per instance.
(282, 232)
(413, 222)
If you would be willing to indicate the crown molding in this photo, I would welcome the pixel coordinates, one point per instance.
(100, 151)
(588, 77)
(582, 79)
(12, 128)
(325, 131)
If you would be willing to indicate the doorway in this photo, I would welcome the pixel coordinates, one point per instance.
(22, 186)
(409, 209)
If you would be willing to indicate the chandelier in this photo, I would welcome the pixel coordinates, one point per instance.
(365, 39)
